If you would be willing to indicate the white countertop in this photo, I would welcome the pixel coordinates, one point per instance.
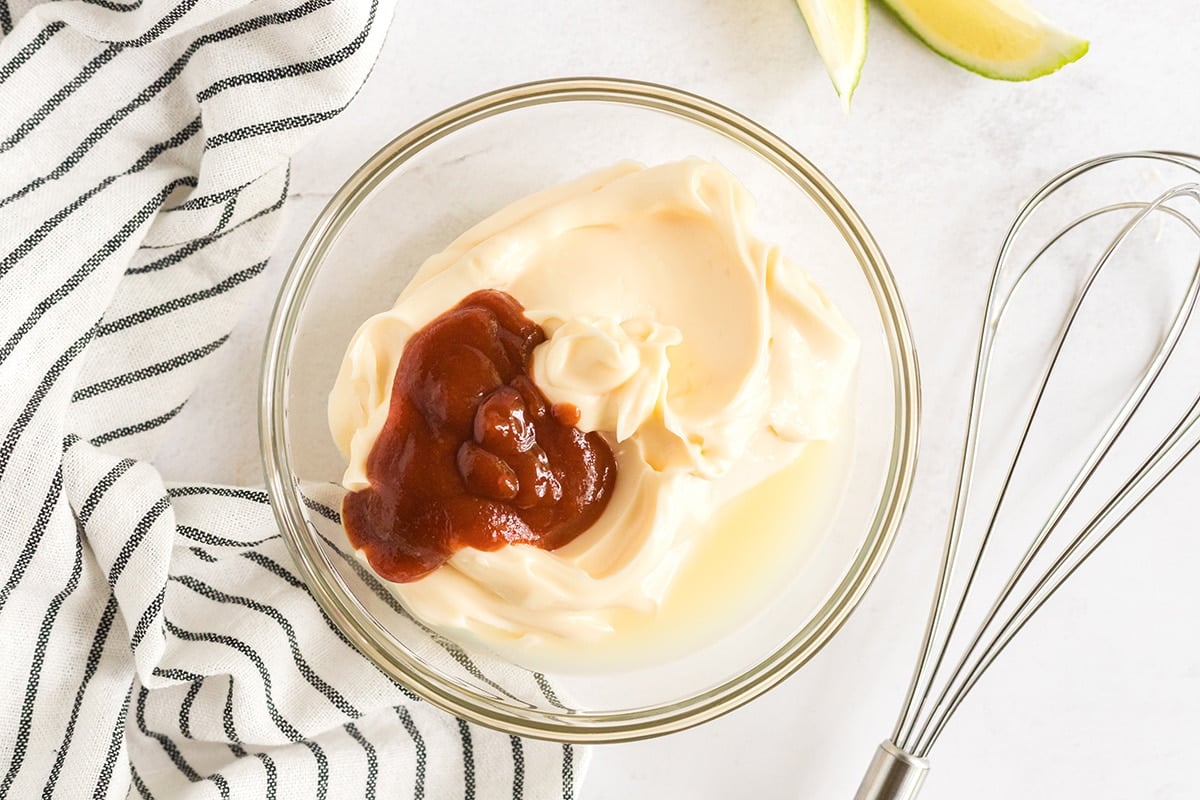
(1100, 696)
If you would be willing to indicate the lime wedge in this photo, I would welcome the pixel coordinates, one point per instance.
(839, 29)
(1002, 39)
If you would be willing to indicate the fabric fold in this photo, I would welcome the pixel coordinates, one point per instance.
(158, 642)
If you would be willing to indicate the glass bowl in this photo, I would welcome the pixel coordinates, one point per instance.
(411, 199)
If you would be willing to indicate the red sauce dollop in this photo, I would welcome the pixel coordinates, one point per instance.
(472, 454)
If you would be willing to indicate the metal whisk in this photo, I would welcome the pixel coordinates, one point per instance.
(945, 675)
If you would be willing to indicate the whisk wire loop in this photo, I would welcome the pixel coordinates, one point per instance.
(1114, 429)
(1058, 574)
(927, 708)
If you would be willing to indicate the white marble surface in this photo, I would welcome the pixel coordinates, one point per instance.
(1101, 696)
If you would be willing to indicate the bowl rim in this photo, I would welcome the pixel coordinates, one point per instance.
(334, 597)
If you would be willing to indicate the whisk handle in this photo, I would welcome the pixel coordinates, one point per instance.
(893, 775)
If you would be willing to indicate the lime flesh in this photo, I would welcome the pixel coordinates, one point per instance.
(839, 30)
(1000, 39)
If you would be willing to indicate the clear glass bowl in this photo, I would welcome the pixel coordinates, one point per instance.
(411, 199)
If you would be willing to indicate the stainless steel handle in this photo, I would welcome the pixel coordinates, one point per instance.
(893, 775)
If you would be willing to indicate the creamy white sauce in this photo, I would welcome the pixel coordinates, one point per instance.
(704, 357)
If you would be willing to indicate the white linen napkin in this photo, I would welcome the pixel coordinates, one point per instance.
(155, 639)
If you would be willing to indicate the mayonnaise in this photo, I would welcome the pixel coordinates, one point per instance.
(705, 358)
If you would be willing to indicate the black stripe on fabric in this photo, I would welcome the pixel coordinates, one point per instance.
(203, 555)
(518, 756)
(5, 18)
(568, 772)
(168, 77)
(27, 52)
(196, 245)
(131, 544)
(236, 748)
(220, 491)
(196, 681)
(468, 752)
(185, 707)
(89, 670)
(152, 371)
(279, 571)
(111, 246)
(178, 675)
(25, 725)
(419, 743)
(324, 510)
(204, 537)
(141, 427)
(372, 760)
(187, 204)
(226, 215)
(111, 6)
(39, 394)
(139, 783)
(85, 74)
(294, 70)
(172, 750)
(277, 125)
(235, 742)
(231, 733)
(331, 694)
(35, 538)
(322, 768)
(147, 314)
(101, 489)
(285, 123)
(148, 616)
(146, 159)
(548, 691)
(115, 744)
(282, 724)
(272, 774)
(177, 13)
(275, 568)
(207, 200)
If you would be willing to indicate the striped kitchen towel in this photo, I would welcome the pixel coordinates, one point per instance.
(155, 639)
